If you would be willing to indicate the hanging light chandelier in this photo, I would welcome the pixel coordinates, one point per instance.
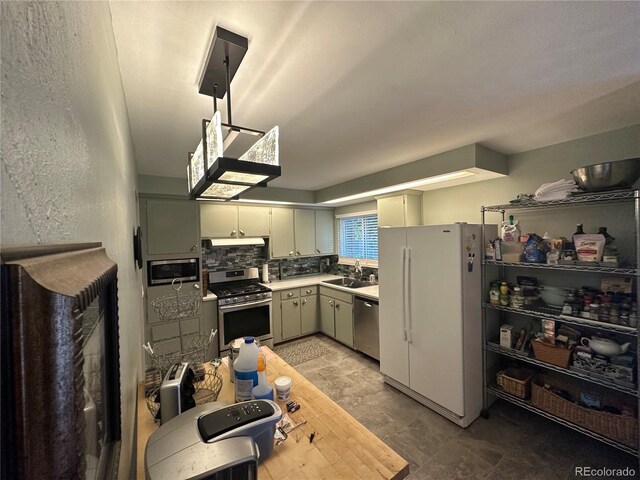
(211, 175)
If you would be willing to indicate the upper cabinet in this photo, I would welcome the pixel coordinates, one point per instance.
(301, 232)
(171, 226)
(304, 223)
(233, 221)
(282, 242)
(325, 244)
(400, 210)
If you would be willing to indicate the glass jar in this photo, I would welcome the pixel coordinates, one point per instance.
(504, 299)
(516, 300)
(594, 309)
(494, 294)
(504, 288)
(586, 310)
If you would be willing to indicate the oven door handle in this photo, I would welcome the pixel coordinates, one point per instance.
(243, 306)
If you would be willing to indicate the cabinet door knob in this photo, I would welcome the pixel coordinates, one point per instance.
(291, 253)
(242, 233)
(295, 302)
(317, 251)
(289, 294)
(297, 252)
(337, 305)
(330, 302)
(304, 301)
(194, 248)
(196, 286)
(233, 233)
(308, 291)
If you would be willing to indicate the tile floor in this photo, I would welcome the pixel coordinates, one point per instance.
(512, 444)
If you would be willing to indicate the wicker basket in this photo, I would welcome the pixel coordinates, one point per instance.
(545, 352)
(515, 381)
(621, 428)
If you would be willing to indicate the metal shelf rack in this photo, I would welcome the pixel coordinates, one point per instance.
(536, 311)
(524, 404)
(555, 314)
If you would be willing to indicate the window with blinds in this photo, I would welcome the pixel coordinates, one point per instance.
(358, 239)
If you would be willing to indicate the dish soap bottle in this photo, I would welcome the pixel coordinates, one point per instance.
(245, 369)
(263, 391)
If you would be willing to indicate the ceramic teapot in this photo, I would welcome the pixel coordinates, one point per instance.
(604, 346)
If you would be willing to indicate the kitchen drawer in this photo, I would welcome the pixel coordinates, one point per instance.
(171, 330)
(306, 291)
(288, 294)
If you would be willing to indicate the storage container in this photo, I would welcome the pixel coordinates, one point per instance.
(515, 381)
(511, 251)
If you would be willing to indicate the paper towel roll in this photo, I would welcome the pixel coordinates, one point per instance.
(265, 273)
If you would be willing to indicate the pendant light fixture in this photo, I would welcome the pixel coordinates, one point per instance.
(211, 175)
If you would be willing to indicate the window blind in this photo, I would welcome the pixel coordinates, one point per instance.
(358, 237)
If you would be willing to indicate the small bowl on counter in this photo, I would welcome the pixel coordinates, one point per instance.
(608, 175)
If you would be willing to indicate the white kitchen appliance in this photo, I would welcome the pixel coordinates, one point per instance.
(430, 315)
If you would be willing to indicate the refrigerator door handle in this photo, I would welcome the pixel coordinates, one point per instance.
(404, 293)
(408, 298)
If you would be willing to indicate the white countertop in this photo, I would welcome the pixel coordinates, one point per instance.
(210, 297)
(299, 282)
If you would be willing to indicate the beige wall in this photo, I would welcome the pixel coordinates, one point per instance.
(68, 172)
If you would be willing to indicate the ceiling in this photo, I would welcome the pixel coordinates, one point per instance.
(359, 87)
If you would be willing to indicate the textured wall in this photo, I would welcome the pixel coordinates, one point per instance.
(68, 172)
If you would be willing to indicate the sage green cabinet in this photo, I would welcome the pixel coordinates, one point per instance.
(299, 310)
(308, 314)
(327, 316)
(282, 242)
(400, 210)
(336, 314)
(171, 226)
(304, 222)
(276, 319)
(325, 232)
(290, 318)
(344, 322)
(233, 221)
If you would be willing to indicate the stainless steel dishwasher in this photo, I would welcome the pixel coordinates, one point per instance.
(366, 330)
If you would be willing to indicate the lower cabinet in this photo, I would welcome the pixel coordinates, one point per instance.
(295, 313)
(336, 315)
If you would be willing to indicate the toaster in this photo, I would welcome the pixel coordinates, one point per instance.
(176, 391)
(213, 441)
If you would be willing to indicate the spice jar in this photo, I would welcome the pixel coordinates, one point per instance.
(504, 299)
(504, 288)
(494, 294)
(594, 309)
(517, 298)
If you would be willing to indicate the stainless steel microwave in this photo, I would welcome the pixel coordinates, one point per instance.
(162, 272)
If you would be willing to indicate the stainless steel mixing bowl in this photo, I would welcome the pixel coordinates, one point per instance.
(608, 175)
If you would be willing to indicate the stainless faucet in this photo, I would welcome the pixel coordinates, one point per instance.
(358, 273)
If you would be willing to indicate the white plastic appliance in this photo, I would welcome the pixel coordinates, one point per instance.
(430, 315)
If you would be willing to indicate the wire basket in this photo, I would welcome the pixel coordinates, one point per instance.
(177, 306)
(207, 387)
(194, 351)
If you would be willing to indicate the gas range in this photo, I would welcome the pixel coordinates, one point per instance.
(236, 287)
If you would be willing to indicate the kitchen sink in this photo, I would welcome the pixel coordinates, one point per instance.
(349, 282)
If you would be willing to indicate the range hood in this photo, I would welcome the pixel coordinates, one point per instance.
(234, 242)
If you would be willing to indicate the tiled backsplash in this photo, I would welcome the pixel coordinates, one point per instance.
(229, 258)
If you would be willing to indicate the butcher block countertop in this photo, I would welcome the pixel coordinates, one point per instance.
(341, 448)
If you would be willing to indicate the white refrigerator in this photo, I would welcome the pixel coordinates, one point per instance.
(430, 315)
